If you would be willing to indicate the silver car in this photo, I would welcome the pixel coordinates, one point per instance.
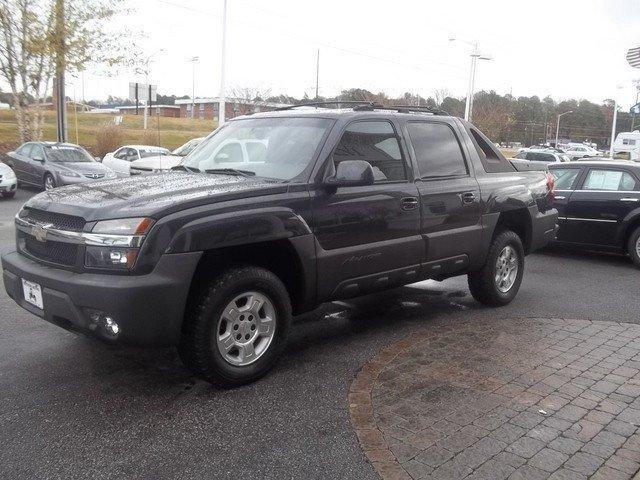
(51, 164)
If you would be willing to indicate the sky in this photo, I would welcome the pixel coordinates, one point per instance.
(561, 48)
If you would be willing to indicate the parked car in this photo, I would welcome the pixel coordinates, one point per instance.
(230, 153)
(216, 259)
(599, 205)
(121, 159)
(575, 152)
(8, 181)
(187, 148)
(52, 164)
(542, 155)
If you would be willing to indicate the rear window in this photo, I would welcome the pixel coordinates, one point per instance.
(492, 160)
(565, 177)
(437, 150)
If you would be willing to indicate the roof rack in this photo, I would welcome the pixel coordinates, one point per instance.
(370, 106)
(324, 104)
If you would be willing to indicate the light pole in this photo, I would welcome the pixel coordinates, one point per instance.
(475, 56)
(193, 61)
(558, 126)
(222, 103)
(146, 81)
(615, 121)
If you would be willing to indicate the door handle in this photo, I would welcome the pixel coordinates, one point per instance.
(629, 199)
(409, 203)
(468, 197)
(558, 197)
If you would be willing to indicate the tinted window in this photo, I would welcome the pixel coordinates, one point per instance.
(25, 149)
(375, 142)
(609, 180)
(565, 177)
(121, 154)
(492, 161)
(37, 152)
(437, 149)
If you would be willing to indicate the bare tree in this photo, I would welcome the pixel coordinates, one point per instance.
(31, 43)
(439, 94)
(251, 97)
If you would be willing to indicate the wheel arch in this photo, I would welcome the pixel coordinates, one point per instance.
(518, 220)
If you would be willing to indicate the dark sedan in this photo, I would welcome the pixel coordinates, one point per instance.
(598, 205)
(50, 164)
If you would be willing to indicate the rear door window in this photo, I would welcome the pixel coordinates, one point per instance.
(437, 150)
(612, 180)
(565, 178)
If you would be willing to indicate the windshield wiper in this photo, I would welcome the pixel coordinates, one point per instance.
(232, 171)
(185, 168)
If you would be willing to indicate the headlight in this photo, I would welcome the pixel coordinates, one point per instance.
(110, 175)
(124, 226)
(123, 231)
(69, 174)
(110, 257)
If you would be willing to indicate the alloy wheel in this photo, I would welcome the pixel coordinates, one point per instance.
(246, 328)
(506, 269)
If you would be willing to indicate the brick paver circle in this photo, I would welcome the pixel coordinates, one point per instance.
(518, 398)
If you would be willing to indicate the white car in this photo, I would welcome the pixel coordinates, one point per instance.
(121, 159)
(541, 155)
(574, 152)
(8, 181)
(230, 153)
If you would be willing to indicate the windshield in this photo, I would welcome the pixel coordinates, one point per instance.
(64, 153)
(152, 153)
(269, 147)
(187, 148)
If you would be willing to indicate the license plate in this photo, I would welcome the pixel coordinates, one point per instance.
(32, 293)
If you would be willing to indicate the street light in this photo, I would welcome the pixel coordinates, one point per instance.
(615, 121)
(475, 56)
(146, 80)
(558, 125)
(193, 61)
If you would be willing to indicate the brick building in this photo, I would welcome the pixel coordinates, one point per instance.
(160, 110)
(207, 108)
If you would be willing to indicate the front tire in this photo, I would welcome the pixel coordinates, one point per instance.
(498, 281)
(8, 194)
(236, 326)
(633, 247)
(48, 182)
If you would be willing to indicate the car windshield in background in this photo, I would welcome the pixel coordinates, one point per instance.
(60, 153)
(152, 153)
(270, 147)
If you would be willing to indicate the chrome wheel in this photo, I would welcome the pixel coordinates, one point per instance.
(246, 328)
(48, 183)
(506, 269)
(638, 247)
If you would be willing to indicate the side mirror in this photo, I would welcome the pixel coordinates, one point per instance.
(351, 173)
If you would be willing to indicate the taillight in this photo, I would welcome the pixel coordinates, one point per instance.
(551, 185)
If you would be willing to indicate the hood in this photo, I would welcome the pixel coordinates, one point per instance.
(82, 168)
(159, 161)
(152, 195)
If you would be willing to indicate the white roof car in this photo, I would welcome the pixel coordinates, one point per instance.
(121, 159)
(188, 147)
(575, 151)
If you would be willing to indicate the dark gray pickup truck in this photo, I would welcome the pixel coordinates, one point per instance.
(271, 215)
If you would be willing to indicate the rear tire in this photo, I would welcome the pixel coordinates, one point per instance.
(231, 343)
(496, 283)
(633, 247)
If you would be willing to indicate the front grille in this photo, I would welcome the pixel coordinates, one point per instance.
(94, 175)
(59, 221)
(55, 252)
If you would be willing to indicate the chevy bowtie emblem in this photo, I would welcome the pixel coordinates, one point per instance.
(40, 232)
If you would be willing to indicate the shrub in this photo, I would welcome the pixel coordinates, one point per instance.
(109, 138)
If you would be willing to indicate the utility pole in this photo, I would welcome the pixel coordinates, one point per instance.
(475, 56)
(61, 104)
(317, 74)
(222, 103)
(613, 127)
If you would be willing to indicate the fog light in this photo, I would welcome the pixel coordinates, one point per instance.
(103, 324)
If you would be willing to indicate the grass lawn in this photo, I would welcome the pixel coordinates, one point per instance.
(163, 131)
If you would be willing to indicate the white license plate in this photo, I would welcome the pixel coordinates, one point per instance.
(32, 293)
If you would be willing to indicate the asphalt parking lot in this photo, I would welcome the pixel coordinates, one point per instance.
(72, 407)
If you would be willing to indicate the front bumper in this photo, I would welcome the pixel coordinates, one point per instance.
(148, 308)
(8, 185)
